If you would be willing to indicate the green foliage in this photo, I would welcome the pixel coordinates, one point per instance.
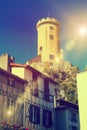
(65, 74)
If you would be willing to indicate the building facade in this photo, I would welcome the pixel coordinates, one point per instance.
(31, 106)
(82, 97)
(66, 116)
(11, 99)
(39, 98)
(34, 104)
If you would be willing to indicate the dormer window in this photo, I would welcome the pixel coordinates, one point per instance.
(11, 82)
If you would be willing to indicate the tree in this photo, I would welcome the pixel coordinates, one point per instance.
(65, 74)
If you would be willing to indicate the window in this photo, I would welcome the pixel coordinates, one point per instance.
(51, 57)
(46, 90)
(73, 117)
(34, 114)
(47, 118)
(11, 82)
(40, 48)
(34, 88)
(51, 28)
(10, 102)
(34, 76)
(73, 128)
(51, 37)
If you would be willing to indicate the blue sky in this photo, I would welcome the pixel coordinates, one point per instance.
(18, 35)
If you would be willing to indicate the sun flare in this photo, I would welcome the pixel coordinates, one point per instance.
(83, 30)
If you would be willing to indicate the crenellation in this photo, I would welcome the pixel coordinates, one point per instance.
(47, 20)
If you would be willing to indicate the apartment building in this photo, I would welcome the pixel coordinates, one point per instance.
(39, 96)
(11, 98)
(36, 95)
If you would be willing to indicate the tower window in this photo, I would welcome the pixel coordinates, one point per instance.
(51, 57)
(51, 37)
(40, 48)
(51, 28)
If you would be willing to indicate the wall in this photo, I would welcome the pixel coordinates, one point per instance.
(60, 119)
(82, 98)
(15, 93)
(4, 61)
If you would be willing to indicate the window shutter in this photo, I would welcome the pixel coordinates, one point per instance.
(46, 90)
(47, 118)
(30, 113)
(34, 114)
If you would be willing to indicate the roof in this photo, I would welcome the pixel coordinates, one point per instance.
(34, 70)
(62, 104)
(35, 59)
(12, 75)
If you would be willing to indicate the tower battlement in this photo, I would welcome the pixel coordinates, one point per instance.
(48, 20)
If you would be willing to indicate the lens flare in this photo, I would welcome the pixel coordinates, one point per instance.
(82, 30)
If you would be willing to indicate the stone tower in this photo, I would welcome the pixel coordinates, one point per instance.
(48, 39)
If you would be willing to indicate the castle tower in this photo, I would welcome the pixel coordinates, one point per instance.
(48, 39)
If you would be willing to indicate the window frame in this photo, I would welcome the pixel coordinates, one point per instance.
(47, 118)
(11, 82)
(46, 90)
(10, 102)
(73, 116)
(34, 88)
(34, 116)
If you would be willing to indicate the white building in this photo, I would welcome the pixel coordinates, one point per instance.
(82, 98)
